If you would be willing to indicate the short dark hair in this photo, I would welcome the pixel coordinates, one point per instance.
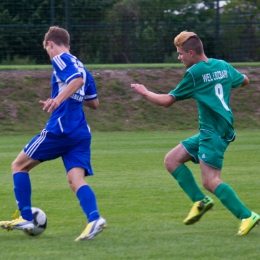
(193, 43)
(57, 35)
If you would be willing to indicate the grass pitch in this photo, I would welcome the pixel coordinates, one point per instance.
(143, 205)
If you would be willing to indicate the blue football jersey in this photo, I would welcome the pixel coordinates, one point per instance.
(69, 118)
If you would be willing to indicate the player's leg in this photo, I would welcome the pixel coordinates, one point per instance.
(212, 182)
(87, 200)
(211, 155)
(41, 148)
(174, 163)
(36, 151)
(228, 197)
(84, 193)
(22, 190)
(77, 163)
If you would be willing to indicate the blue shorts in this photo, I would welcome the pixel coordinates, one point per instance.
(74, 152)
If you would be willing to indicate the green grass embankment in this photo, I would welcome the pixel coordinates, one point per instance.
(121, 108)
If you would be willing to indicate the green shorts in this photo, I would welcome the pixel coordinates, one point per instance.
(208, 147)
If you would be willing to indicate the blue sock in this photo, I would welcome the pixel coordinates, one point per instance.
(87, 200)
(23, 191)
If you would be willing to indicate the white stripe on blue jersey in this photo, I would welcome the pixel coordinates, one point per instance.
(60, 63)
(60, 124)
(37, 142)
(90, 96)
(72, 76)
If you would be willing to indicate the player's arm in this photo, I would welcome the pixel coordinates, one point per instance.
(51, 104)
(245, 82)
(94, 103)
(165, 100)
(237, 77)
(91, 97)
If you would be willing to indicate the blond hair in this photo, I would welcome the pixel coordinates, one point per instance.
(183, 37)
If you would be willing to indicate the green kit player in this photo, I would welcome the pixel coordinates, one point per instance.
(209, 82)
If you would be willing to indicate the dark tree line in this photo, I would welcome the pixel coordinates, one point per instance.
(129, 31)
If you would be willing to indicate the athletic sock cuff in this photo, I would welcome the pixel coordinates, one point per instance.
(80, 192)
(178, 169)
(220, 188)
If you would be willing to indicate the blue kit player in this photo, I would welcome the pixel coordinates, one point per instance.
(66, 135)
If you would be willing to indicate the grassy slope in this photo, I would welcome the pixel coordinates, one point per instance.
(120, 66)
(121, 108)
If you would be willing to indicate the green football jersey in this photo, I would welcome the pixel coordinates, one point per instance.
(210, 83)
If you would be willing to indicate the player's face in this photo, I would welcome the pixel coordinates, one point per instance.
(185, 57)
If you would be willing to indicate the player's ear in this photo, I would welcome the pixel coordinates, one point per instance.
(192, 53)
(50, 43)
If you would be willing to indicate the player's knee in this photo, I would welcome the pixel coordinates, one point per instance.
(75, 183)
(15, 166)
(208, 185)
(170, 163)
(205, 184)
(72, 185)
(71, 182)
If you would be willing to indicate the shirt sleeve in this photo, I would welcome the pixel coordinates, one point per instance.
(65, 68)
(91, 90)
(185, 88)
(237, 77)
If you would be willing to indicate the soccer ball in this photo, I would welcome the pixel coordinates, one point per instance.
(39, 221)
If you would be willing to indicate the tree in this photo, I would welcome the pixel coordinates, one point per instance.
(145, 29)
(240, 30)
(129, 31)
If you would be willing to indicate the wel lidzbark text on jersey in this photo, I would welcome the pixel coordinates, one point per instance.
(216, 75)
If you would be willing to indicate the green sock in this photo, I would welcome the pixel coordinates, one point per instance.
(185, 178)
(230, 200)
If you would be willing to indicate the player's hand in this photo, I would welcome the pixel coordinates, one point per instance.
(50, 105)
(141, 89)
